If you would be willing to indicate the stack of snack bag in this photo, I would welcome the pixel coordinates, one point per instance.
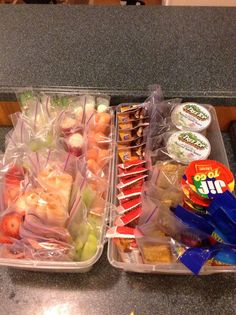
(187, 210)
(52, 197)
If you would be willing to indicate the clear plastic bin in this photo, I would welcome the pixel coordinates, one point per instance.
(117, 96)
(218, 153)
(71, 266)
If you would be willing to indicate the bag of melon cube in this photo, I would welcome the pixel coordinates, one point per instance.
(98, 160)
(98, 149)
(84, 232)
(89, 206)
(95, 103)
(98, 130)
(92, 193)
(91, 188)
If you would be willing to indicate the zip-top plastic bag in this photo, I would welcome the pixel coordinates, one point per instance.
(164, 183)
(13, 181)
(31, 134)
(54, 171)
(38, 250)
(85, 236)
(160, 121)
(34, 225)
(181, 146)
(155, 250)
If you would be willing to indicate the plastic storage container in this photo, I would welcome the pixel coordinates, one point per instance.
(67, 266)
(218, 153)
(119, 96)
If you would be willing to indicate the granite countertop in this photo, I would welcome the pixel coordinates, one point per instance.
(109, 291)
(189, 51)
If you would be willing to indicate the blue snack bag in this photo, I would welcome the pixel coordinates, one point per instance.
(194, 258)
(227, 256)
(225, 201)
(194, 220)
(225, 224)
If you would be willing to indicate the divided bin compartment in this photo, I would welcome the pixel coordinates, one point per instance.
(70, 266)
(217, 153)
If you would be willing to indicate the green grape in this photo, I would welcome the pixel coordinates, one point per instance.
(89, 248)
(88, 196)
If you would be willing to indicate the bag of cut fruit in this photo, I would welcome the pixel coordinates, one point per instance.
(39, 209)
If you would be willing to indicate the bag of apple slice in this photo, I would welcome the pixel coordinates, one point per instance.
(39, 211)
(13, 181)
(10, 222)
(48, 206)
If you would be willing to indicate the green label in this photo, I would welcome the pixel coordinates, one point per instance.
(195, 111)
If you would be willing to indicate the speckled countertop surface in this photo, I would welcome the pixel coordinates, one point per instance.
(108, 291)
(189, 51)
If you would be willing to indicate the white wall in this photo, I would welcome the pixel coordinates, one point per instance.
(200, 2)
